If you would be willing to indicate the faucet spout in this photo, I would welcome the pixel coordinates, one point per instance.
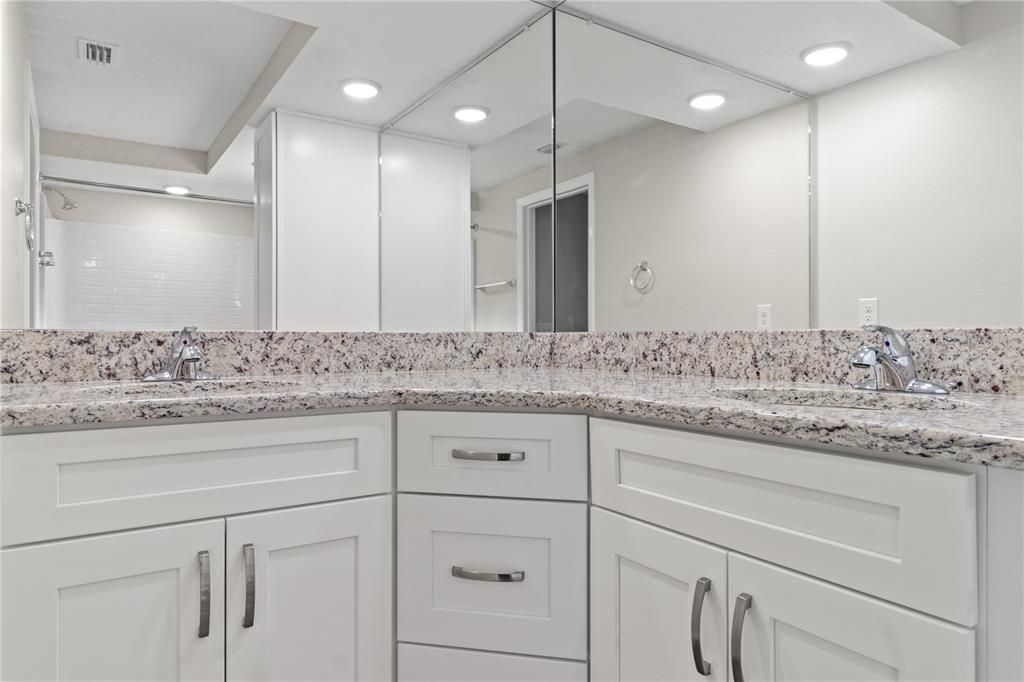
(182, 362)
(891, 364)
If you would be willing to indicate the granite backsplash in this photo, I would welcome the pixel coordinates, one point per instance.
(977, 360)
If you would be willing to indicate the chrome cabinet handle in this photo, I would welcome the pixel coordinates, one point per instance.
(204, 594)
(482, 456)
(739, 613)
(488, 577)
(249, 558)
(700, 589)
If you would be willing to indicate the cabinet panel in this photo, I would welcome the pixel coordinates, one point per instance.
(327, 234)
(642, 584)
(547, 454)
(321, 606)
(799, 628)
(541, 611)
(125, 606)
(78, 482)
(907, 534)
(436, 664)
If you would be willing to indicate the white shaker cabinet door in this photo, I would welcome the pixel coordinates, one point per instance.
(786, 626)
(141, 605)
(646, 585)
(309, 593)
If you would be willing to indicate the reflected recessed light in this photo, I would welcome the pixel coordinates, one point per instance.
(706, 101)
(179, 190)
(471, 113)
(826, 55)
(360, 88)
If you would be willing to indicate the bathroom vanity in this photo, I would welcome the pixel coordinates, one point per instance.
(459, 525)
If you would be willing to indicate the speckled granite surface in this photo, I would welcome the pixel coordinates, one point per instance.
(979, 360)
(976, 428)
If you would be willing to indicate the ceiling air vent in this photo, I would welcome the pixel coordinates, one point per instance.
(95, 52)
(549, 148)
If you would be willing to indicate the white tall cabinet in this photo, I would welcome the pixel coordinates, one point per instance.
(317, 232)
(426, 248)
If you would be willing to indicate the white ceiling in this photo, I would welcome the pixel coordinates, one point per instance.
(185, 66)
(232, 177)
(409, 47)
(766, 38)
(585, 124)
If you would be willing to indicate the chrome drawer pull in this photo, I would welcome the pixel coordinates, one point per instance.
(249, 558)
(204, 594)
(739, 613)
(487, 577)
(700, 589)
(482, 456)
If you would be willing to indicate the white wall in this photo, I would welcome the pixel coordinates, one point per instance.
(425, 236)
(13, 134)
(722, 218)
(144, 276)
(327, 225)
(920, 191)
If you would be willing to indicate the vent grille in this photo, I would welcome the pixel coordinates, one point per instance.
(95, 52)
(550, 148)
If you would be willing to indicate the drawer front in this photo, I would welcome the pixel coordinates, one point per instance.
(903, 533)
(77, 482)
(482, 453)
(435, 664)
(451, 552)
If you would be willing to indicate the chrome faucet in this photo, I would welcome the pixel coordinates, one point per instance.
(892, 365)
(182, 362)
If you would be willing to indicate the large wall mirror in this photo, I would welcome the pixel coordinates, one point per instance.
(502, 166)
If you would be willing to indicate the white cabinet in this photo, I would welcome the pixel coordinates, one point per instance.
(503, 575)
(126, 606)
(418, 663)
(325, 225)
(646, 586)
(799, 628)
(487, 453)
(309, 593)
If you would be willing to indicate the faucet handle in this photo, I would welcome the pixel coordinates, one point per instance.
(895, 343)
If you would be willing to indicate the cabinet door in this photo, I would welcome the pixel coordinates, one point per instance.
(799, 628)
(643, 595)
(125, 606)
(309, 593)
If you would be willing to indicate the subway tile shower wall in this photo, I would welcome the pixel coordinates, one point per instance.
(115, 276)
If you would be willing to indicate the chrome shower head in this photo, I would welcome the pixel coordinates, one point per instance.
(68, 204)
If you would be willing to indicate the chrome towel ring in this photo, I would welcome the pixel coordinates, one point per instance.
(642, 277)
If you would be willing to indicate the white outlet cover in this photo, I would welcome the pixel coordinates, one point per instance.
(868, 311)
(764, 317)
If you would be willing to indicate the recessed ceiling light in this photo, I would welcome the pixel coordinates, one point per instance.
(826, 55)
(360, 88)
(705, 101)
(179, 190)
(471, 113)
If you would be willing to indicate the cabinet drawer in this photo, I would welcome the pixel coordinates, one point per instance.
(504, 455)
(906, 534)
(448, 547)
(71, 483)
(417, 663)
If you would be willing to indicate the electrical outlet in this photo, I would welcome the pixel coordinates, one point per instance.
(764, 317)
(868, 311)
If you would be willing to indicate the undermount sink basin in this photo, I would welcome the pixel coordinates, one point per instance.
(179, 387)
(840, 398)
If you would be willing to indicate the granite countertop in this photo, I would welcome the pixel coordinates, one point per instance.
(973, 428)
